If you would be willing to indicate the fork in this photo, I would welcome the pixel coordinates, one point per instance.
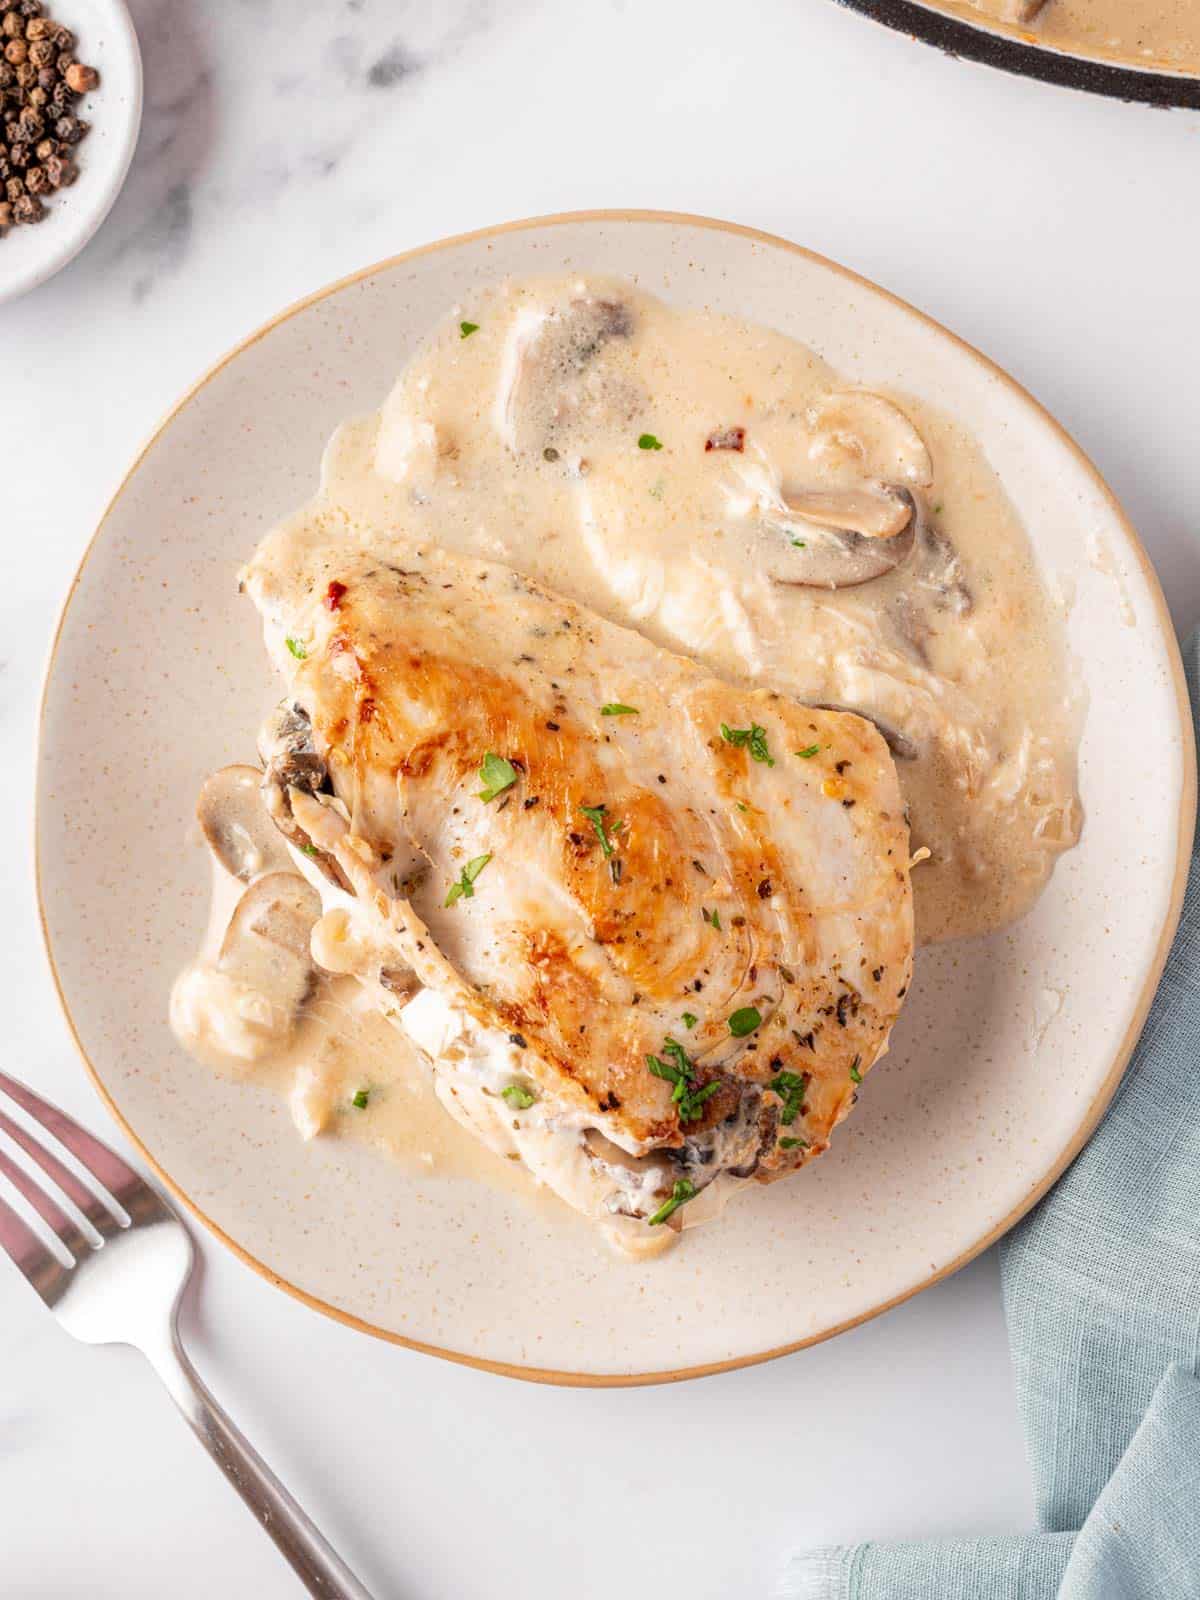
(128, 1261)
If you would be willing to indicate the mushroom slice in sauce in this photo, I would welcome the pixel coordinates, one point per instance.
(235, 823)
(875, 434)
(837, 538)
(292, 762)
(266, 946)
(545, 381)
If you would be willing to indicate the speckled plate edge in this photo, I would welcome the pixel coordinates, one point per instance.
(1096, 1108)
(1013, 52)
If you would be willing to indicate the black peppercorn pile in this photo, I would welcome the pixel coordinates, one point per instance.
(40, 81)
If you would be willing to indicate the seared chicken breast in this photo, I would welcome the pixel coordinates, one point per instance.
(651, 929)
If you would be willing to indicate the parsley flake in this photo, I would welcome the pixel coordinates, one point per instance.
(595, 815)
(808, 752)
(745, 1021)
(496, 774)
(681, 1072)
(799, 544)
(466, 883)
(647, 441)
(790, 1087)
(793, 1144)
(361, 1099)
(683, 1191)
(308, 849)
(690, 1020)
(713, 917)
(518, 1096)
(614, 708)
(296, 648)
(754, 738)
(466, 329)
(855, 1074)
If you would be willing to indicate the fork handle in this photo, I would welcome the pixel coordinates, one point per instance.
(312, 1557)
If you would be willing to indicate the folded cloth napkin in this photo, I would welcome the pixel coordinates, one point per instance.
(1102, 1296)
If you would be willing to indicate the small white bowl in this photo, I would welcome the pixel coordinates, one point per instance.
(107, 41)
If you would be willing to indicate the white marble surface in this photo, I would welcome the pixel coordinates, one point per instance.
(287, 142)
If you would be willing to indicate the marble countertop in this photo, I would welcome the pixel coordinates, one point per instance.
(287, 142)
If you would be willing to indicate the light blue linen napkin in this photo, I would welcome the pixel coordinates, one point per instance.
(1102, 1296)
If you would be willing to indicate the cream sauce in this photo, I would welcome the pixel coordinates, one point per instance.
(1158, 34)
(561, 427)
(490, 445)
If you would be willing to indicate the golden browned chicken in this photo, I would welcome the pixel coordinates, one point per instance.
(651, 929)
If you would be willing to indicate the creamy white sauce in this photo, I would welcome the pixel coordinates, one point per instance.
(566, 436)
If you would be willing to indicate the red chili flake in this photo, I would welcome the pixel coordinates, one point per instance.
(333, 595)
(726, 439)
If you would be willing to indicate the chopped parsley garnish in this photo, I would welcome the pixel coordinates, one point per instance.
(496, 774)
(742, 806)
(790, 1087)
(614, 708)
(595, 815)
(855, 1074)
(518, 1096)
(793, 1144)
(308, 850)
(808, 752)
(799, 544)
(466, 329)
(754, 738)
(713, 917)
(937, 510)
(683, 1191)
(361, 1099)
(680, 1072)
(296, 648)
(466, 883)
(690, 1020)
(745, 1021)
(647, 441)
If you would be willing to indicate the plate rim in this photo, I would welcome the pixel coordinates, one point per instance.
(1094, 1110)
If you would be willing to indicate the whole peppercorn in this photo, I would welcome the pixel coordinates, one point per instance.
(70, 129)
(37, 97)
(12, 130)
(12, 26)
(81, 79)
(7, 76)
(61, 171)
(28, 209)
(6, 216)
(31, 8)
(16, 51)
(32, 124)
(25, 75)
(14, 188)
(39, 28)
(63, 37)
(47, 79)
(37, 181)
(46, 148)
(19, 155)
(41, 52)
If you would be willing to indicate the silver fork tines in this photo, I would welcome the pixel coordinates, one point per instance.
(121, 1261)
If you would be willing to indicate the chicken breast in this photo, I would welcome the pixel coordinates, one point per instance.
(659, 927)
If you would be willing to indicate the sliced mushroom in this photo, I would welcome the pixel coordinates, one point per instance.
(901, 746)
(837, 538)
(291, 761)
(874, 434)
(235, 823)
(266, 946)
(545, 371)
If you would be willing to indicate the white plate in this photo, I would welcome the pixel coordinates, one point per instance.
(107, 41)
(1009, 1047)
